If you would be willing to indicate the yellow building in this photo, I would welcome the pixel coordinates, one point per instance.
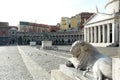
(64, 23)
(74, 21)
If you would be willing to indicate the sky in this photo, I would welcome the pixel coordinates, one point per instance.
(45, 11)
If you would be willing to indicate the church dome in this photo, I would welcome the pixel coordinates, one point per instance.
(113, 6)
(14, 29)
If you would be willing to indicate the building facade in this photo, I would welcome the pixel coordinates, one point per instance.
(65, 21)
(53, 28)
(35, 27)
(75, 23)
(32, 27)
(102, 28)
(7, 35)
(57, 38)
(10, 35)
(82, 18)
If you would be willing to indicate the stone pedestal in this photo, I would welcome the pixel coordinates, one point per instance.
(46, 44)
(32, 43)
(58, 75)
(66, 73)
(116, 68)
(119, 51)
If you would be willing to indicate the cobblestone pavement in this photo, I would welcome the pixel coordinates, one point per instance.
(31, 63)
(36, 71)
(11, 65)
(109, 51)
(47, 59)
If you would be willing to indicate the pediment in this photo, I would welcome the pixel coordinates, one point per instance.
(98, 17)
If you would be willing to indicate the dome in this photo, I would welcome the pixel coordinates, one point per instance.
(112, 0)
(13, 29)
(112, 6)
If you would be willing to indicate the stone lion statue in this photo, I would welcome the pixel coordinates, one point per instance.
(86, 57)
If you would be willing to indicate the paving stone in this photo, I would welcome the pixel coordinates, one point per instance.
(48, 60)
(58, 75)
(12, 66)
(36, 71)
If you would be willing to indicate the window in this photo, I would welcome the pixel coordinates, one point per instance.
(13, 32)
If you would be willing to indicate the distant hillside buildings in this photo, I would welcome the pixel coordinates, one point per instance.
(75, 23)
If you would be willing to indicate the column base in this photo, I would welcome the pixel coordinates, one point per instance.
(104, 44)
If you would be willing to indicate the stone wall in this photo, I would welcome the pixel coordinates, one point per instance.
(116, 68)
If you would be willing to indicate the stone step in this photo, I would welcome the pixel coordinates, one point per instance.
(37, 72)
(101, 44)
(58, 75)
(66, 73)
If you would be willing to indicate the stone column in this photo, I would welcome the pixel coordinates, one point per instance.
(95, 35)
(119, 39)
(85, 34)
(113, 32)
(103, 28)
(91, 34)
(116, 32)
(108, 33)
(99, 34)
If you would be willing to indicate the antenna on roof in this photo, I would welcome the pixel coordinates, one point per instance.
(35, 21)
(97, 9)
(85, 20)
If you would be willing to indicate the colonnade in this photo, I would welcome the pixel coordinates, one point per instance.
(100, 34)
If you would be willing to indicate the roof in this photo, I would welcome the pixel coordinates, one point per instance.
(13, 29)
(98, 17)
(33, 24)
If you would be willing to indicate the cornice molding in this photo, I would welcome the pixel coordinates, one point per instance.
(110, 3)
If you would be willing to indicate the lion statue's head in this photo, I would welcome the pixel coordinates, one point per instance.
(81, 47)
(84, 52)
